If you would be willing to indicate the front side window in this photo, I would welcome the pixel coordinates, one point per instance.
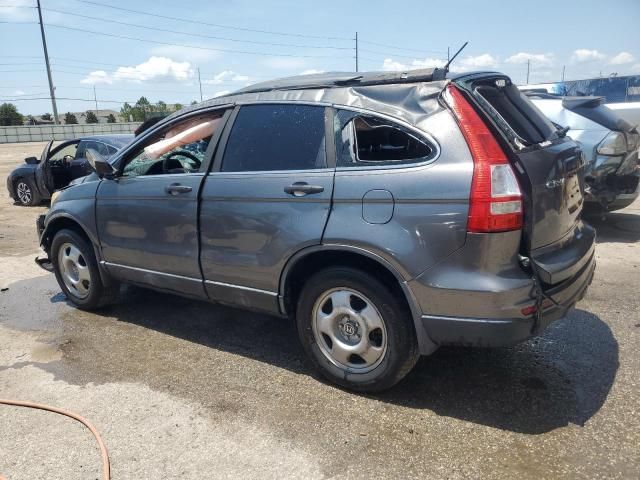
(364, 140)
(177, 148)
(276, 137)
(63, 152)
(99, 147)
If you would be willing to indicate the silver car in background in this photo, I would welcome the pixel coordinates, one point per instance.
(609, 144)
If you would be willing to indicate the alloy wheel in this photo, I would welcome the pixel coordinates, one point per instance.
(349, 330)
(24, 193)
(74, 270)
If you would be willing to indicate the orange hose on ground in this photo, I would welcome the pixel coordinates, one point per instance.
(106, 475)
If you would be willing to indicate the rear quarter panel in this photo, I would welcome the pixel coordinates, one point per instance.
(430, 204)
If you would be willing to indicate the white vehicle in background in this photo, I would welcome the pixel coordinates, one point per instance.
(609, 144)
(621, 93)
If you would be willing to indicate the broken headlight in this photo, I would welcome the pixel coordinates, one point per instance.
(614, 143)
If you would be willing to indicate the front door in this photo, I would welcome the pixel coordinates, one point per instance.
(44, 178)
(268, 197)
(147, 216)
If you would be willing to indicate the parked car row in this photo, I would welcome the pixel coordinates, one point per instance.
(389, 214)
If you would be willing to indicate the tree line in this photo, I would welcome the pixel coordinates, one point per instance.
(138, 112)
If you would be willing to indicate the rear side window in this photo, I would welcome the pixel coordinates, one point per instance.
(276, 137)
(364, 140)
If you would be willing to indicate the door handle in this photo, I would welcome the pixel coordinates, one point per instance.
(176, 188)
(300, 189)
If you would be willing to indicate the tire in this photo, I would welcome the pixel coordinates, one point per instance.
(77, 273)
(26, 192)
(343, 311)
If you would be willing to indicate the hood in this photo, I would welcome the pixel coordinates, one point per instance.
(92, 177)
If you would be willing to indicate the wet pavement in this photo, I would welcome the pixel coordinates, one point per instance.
(180, 388)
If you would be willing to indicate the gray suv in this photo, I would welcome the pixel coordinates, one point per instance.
(389, 214)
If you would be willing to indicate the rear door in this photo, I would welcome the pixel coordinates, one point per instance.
(550, 168)
(268, 197)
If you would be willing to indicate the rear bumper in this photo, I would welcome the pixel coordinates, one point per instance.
(485, 332)
(477, 296)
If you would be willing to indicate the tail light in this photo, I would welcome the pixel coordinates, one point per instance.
(495, 203)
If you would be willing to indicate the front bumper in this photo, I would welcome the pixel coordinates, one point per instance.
(40, 225)
(11, 189)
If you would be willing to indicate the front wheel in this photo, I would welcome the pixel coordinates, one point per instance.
(355, 330)
(26, 192)
(77, 271)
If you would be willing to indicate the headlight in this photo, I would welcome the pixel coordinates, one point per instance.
(632, 141)
(613, 144)
(54, 196)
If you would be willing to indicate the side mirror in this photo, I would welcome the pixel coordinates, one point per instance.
(31, 160)
(100, 164)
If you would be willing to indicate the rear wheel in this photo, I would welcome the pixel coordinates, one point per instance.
(77, 271)
(26, 192)
(356, 331)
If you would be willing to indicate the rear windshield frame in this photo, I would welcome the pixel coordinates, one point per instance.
(517, 141)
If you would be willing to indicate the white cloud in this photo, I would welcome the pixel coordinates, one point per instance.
(585, 55)
(390, 65)
(97, 77)
(463, 65)
(622, 58)
(636, 68)
(15, 11)
(226, 76)
(155, 68)
(478, 62)
(221, 93)
(311, 71)
(534, 58)
(19, 92)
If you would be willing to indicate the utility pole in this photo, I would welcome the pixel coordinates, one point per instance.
(528, 65)
(563, 73)
(447, 54)
(56, 121)
(200, 83)
(356, 51)
(95, 98)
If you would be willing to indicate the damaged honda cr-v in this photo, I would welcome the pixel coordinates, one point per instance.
(387, 213)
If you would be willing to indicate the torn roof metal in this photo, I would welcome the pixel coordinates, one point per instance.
(410, 96)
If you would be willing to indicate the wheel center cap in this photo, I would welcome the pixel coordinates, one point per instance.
(349, 329)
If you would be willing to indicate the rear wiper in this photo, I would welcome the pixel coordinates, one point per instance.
(562, 131)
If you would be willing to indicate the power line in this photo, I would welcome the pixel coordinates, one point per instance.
(198, 47)
(217, 25)
(413, 57)
(418, 50)
(253, 42)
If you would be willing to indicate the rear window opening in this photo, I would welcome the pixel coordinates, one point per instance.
(515, 109)
(378, 141)
(368, 140)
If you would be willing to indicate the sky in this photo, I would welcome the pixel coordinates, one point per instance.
(237, 43)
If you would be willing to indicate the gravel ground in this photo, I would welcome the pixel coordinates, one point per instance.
(185, 389)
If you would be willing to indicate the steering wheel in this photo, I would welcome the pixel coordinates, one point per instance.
(178, 153)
